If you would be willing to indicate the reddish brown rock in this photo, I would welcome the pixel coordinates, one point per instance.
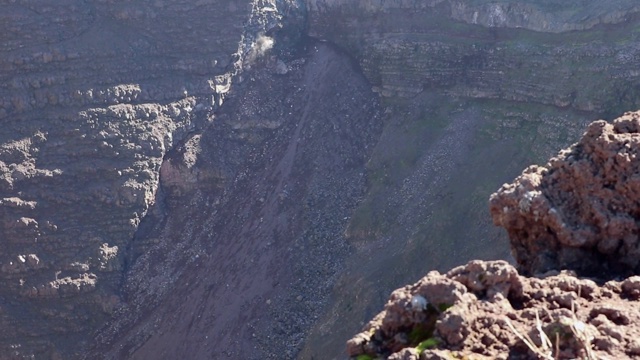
(486, 310)
(580, 211)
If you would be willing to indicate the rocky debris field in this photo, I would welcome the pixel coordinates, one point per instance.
(249, 236)
(572, 224)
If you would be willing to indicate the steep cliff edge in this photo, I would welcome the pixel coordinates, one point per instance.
(576, 214)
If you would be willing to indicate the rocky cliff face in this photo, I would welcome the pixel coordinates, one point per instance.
(251, 236)
(542, 16)
(158, 158)
(94, 95)
(437, 46)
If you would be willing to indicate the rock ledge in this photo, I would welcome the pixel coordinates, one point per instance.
(486, 310)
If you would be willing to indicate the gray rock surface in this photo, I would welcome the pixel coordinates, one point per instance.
(467, 107)
(576, 215)
(88, 115)
(545, 16)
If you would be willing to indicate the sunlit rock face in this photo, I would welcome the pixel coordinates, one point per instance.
(486, 310)
(579, 211)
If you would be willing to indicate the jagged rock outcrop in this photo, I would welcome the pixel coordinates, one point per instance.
(486, 310)
(576, 215)
(580, 210)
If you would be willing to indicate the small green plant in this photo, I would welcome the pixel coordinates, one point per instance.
(364, 357)
(427, 344)
(419, 333)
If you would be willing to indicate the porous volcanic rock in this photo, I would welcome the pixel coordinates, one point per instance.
(486, 310)
(580, 211)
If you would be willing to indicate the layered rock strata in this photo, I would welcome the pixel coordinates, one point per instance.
(250, 236)
(478, 49)
(93, 96)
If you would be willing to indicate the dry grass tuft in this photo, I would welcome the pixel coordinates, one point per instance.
(544, 350)
(548, 351)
